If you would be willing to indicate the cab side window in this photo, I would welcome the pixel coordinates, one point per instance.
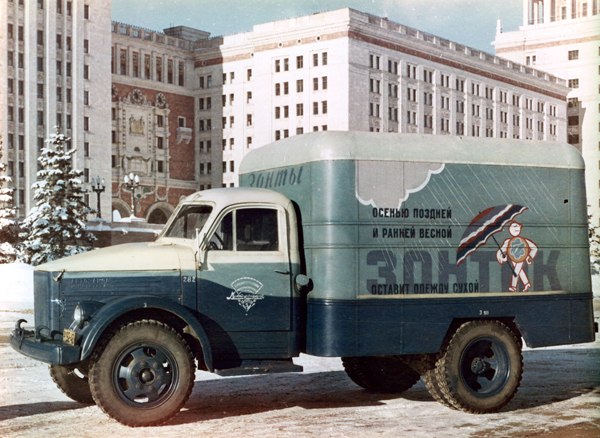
(257, 229)
(247, 229)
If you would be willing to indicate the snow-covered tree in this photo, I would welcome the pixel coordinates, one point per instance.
(55, 226)
(8, 224)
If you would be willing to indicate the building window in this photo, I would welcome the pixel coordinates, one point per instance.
(573, 83)
(170, 72)
(299, 62)
(411, 71)
(573, 55)
(159, 76)
(181, 73)
(299, 86)
(374, 62)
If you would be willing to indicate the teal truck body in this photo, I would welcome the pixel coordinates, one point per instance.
(409, 256)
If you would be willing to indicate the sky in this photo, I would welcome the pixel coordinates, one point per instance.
(468, 22)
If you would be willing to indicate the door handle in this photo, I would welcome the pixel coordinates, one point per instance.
(283, 272)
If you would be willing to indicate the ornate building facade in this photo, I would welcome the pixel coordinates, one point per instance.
(152, 117)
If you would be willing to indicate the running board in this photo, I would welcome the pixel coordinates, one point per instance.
(250, 367)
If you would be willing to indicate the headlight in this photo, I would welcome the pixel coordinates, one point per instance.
(79, 315)
(83, 312)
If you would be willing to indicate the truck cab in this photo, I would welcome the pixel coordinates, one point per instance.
(243, 284)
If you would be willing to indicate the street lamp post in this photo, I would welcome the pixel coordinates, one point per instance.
(132, 182)
(98, 186)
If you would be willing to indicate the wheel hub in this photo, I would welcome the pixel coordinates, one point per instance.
(478, 366)
(147, 376)
(144, 375)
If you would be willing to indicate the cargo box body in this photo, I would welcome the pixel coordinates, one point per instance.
(404, 235)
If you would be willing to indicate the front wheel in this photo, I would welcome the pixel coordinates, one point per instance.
(481, 368)
(144, 376)
(389, 374)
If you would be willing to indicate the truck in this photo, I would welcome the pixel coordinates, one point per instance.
(409, 256)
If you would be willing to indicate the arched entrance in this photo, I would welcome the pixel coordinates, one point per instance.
(159, 213)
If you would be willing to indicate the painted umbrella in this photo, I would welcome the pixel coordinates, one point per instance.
(485, 225)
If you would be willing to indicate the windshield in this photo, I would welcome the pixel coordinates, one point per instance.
(189, 219)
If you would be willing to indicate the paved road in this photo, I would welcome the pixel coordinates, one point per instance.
(559, 397)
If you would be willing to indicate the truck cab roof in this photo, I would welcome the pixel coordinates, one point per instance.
(222, 197)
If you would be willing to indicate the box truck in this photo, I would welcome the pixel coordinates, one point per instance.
(408, 256)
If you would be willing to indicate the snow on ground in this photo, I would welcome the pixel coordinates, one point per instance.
(559, 397)
(16, 286)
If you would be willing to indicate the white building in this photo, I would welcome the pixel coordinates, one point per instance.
(55, 68)
(349, 70)
(562, 37)
(338, 70)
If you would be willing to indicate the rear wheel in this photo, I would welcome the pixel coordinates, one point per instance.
(144, 376)
(389, 374)
(73, 382)
(431, 383)
(481, 368)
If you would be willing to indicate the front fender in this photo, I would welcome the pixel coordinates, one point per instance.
(117, 308)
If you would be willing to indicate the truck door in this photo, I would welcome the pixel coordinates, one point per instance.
(244, 283)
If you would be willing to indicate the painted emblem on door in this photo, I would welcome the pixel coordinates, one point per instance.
(246, 292)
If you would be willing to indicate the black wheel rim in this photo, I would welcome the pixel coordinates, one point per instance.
(145, 375)
(485, 366)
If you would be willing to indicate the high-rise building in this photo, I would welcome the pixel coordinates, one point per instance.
(181, 108)
(55, 71)
(562, 37)
(349, 70)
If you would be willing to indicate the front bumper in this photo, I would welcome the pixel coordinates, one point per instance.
(51, 351)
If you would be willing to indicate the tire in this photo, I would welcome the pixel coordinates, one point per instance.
(73, 382)
(481, 368)
(381, 374)
(431, 384)
(144, 375)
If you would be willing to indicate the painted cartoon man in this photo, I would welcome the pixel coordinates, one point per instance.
(519, 251)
